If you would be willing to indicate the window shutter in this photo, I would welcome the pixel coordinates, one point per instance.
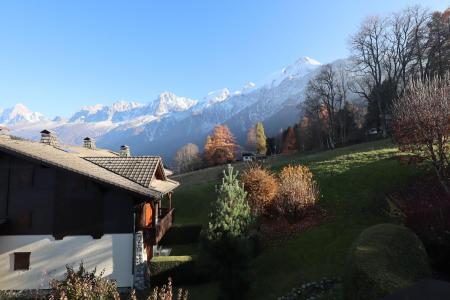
(21, 261)
(148, 214)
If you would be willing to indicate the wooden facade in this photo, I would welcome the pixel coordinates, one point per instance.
(41, 197)
(38, 199)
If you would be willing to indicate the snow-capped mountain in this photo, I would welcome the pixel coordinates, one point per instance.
(19, 114)
(163, 125)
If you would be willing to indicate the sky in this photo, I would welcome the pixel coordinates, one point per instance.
(56, 56)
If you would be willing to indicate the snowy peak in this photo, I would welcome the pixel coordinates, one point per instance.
(248, 87)
(299, 68)
(217, 96)
(18, 114)
(169, 102)
(122, 106)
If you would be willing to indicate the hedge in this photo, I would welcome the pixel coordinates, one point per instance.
(180, 268)
(384, 258)
(182, 234)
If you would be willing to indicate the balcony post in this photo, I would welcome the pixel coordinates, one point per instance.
(170, 200)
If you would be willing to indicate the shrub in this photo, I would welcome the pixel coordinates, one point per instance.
(422, 123)
(261, 187)
(180, 268)
(165, 293)
(384, 258)
(425, 208)
(83, 284)
(297, 192)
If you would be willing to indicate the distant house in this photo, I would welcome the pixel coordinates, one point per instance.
(252, 156)
(60, 205)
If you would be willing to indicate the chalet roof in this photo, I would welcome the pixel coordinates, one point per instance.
(132, 175)
(140, 169)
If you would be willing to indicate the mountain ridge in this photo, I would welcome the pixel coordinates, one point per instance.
(164, 124)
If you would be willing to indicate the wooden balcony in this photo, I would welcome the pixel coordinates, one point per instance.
(154, 234)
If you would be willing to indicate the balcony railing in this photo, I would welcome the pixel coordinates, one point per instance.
(155, 233)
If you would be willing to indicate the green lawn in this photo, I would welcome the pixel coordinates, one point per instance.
(353, 182)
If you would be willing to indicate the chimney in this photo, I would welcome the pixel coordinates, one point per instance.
(125, 151)
(89, 143)
(49, 138)
(4, 130)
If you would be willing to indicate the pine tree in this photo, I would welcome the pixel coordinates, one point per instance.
(230, 216)
(261, 140)
(226, 247)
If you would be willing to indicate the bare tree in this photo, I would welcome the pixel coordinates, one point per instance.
(326, 88)
(187, 158)
(422, 123)
(369, 47)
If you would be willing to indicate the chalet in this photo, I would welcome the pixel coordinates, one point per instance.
(60, 205)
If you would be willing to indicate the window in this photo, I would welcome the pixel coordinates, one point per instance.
(21, 261)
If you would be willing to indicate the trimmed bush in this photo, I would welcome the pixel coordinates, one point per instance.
(180, 268)
(384, 258)
(182, 234)
(261, 187)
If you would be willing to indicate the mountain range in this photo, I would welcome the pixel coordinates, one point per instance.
(165, 124)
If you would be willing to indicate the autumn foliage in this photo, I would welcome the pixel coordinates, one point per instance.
(297, 192)
(261, 186)
(220, 147)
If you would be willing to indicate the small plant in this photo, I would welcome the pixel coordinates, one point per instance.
(261, 187)
(83, 284)
(298, 191)
(165, 293)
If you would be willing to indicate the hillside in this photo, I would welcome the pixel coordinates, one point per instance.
(353, 182)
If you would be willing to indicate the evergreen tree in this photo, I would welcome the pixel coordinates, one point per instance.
(261, 139)
(230, 216)
(225, 243)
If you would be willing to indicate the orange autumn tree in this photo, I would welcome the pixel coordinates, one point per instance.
(220, 147)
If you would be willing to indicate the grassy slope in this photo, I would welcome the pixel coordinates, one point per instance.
(353, 182)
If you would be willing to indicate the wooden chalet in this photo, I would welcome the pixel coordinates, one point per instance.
(60, 205)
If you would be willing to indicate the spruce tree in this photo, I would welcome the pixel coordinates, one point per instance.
(261, 140)
(226, 247)
(230, 216)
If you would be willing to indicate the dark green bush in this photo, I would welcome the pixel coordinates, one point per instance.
(384, 258)
(182, 234)
(180, 268)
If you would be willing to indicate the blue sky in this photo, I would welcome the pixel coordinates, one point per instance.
(56, 56)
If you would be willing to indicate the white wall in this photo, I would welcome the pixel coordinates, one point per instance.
(113, 252)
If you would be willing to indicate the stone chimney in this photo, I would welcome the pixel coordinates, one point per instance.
(89, 143)
(125, 151)
(49, 138)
